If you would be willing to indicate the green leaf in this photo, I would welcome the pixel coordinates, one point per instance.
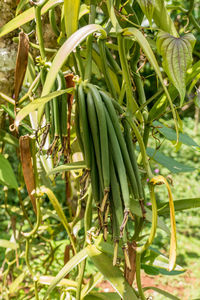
(94, 280)
(78, 165)
(147, 7)
(164, 293)
(25, 17)
(170, 134)
(177, 57)
(15, 285)
(136, 209)
(160, 105)
(179, 205)
(8, 244)
(26, 110)
(171, 164)
(74, 261)
(111, 273)
(57, 207)
(153, 258)
(61, 56)
(151, 57)
(102, 296)
(47, 280)
(8, 138)
(7, 176)
(71, 12)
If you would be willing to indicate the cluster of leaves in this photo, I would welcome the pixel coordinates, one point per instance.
(44, 135)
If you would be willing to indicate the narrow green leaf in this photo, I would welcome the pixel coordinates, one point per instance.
(171, 164)
(177, 57)
(71, 13)
(179, 205)
(15, 285)
(7, 176)
(8, 138)
(98, 277)
(157, 260)
(57, 207)
(151, 57)
(170, 134)
(78, 165)
(162, 18)
(111, 273)
(136, 209)
(74, 261)
(47, 280)
(102, 296)
(164, 293)
(26, 110)
(113, 18)
(72, 42)
(8, 244)
(25, 17)
(147, 7)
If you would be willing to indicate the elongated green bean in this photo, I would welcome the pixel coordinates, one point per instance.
(120, 137)
(103, 136)
(85, 125)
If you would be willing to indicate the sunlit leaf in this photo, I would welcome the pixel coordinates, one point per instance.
(25, 17)
(74, 261)
(162, 292)
(47, 280)
(78, 165)
(7, 176)
(173, 241)
(177, 57)
(15, 285)
(111, 273)
(8, 244)
(147, 7)
(26, 110)
(71, 12)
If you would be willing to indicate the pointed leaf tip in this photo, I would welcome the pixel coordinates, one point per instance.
(177, 57)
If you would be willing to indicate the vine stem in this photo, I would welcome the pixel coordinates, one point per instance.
(87, 225)
(138, 276)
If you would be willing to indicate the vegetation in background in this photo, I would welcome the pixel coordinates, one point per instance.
(99, 149)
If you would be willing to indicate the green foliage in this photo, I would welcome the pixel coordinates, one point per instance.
(98, 125)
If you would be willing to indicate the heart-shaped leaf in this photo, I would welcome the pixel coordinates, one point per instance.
(177, 57)
(147, 7)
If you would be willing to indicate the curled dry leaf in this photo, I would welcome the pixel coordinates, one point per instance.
(21, 63)
(27, 167)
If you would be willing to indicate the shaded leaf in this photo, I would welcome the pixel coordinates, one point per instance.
(7, 176)
(21, 62)
(179, 205)
(177, 57)
(74, 261)
(111, 273)
(8, 138)
(147, 7)
(171, 164)
(170, 134)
